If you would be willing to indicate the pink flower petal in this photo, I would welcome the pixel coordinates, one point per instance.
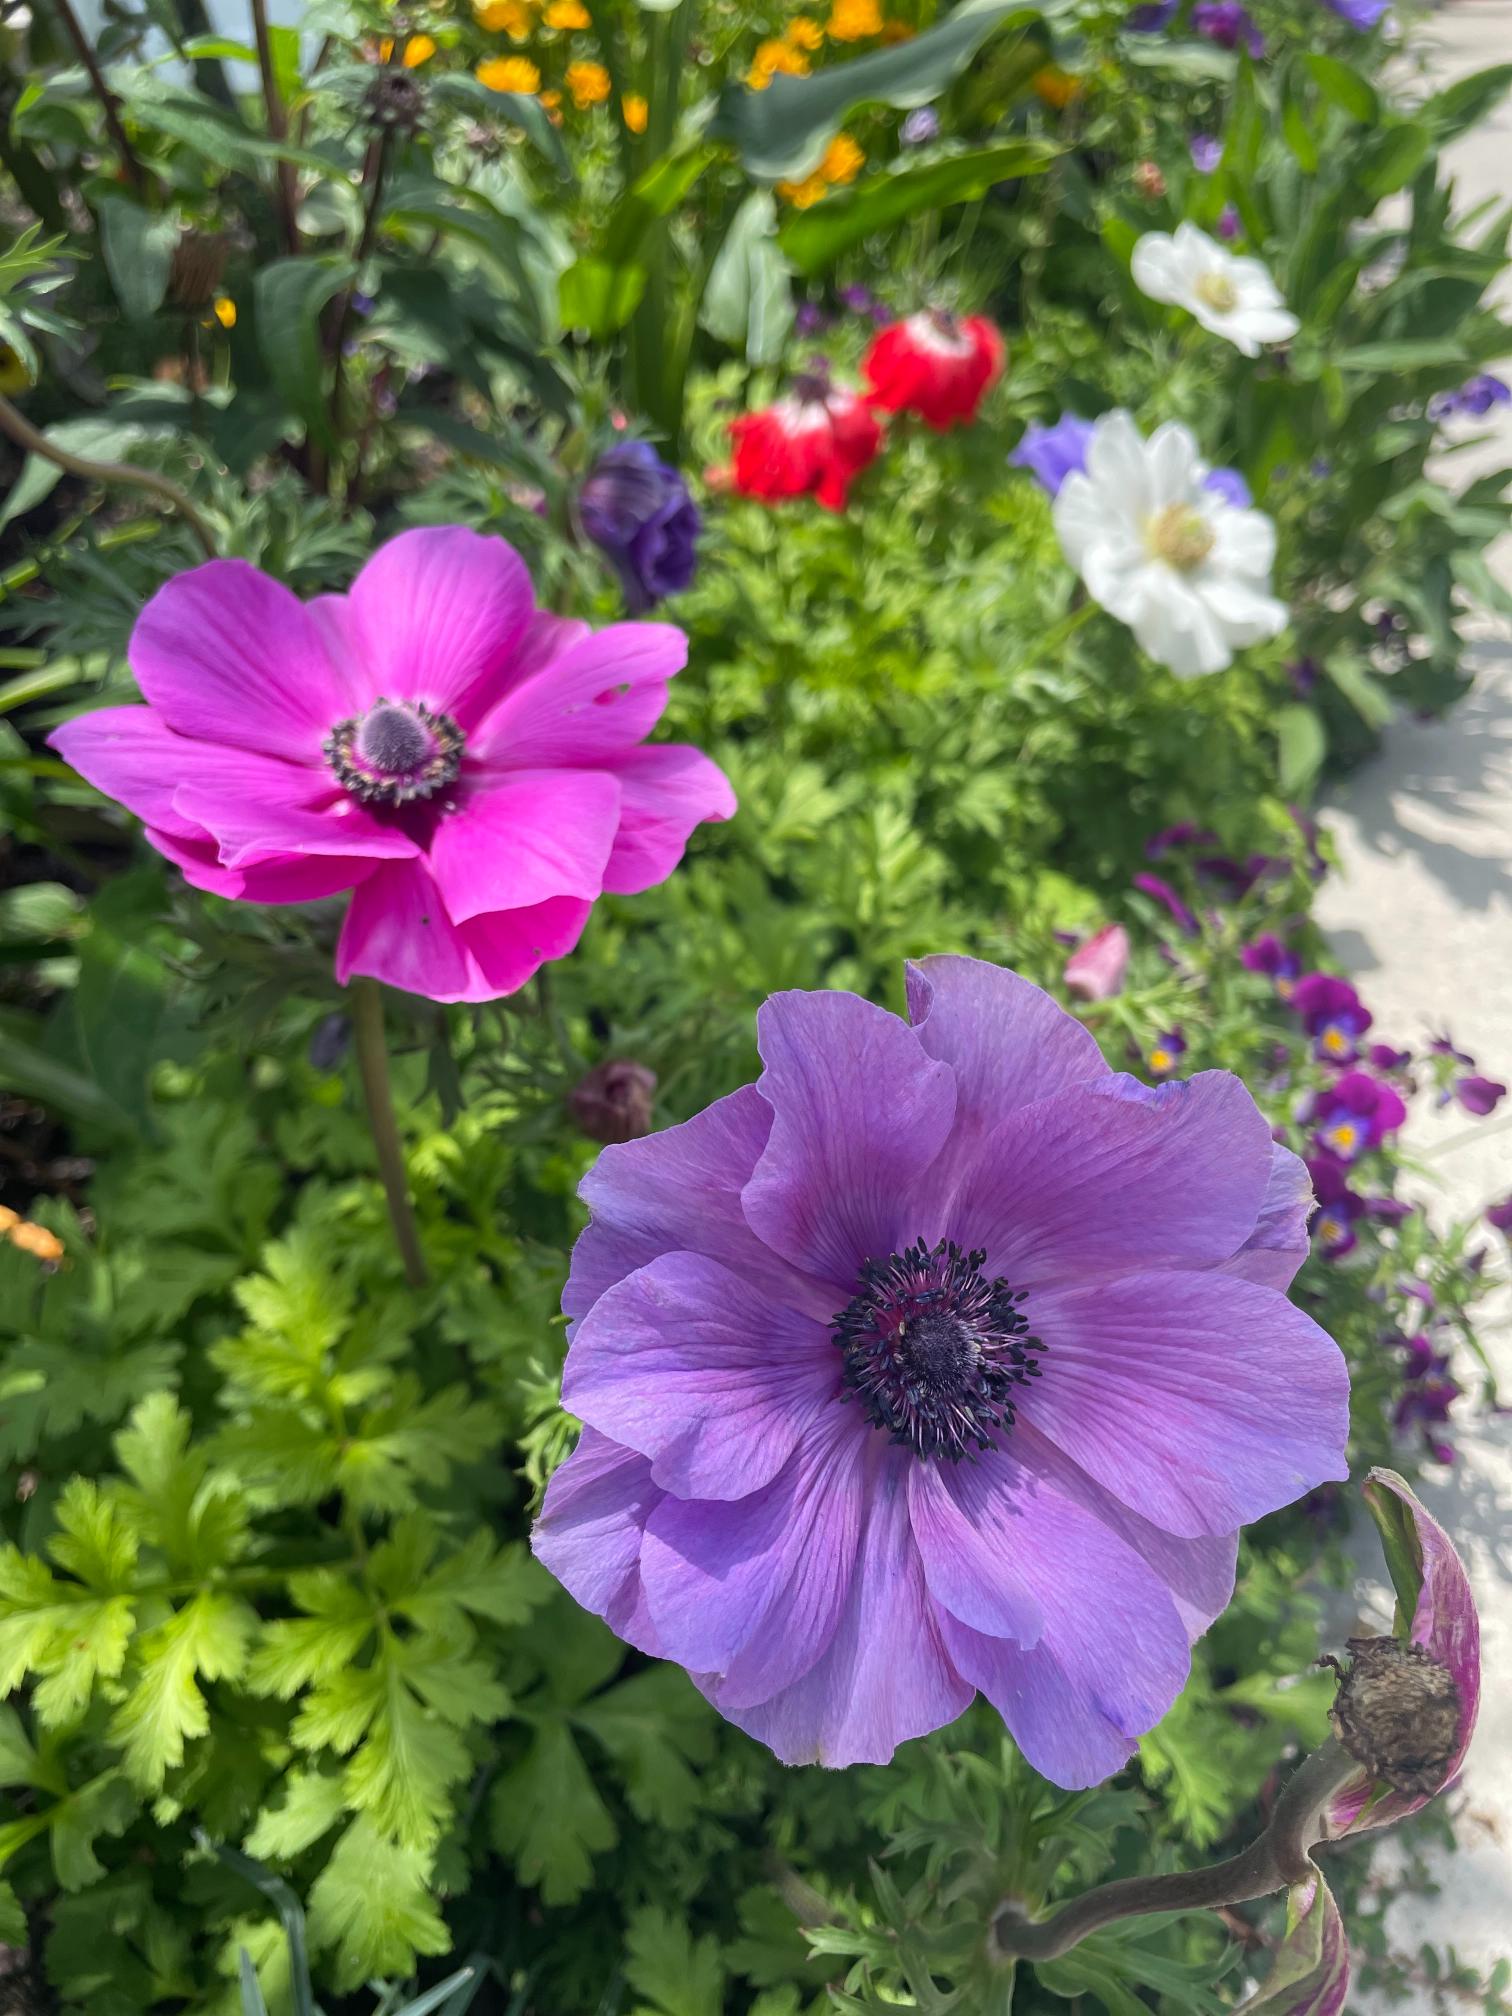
(590, 705)
(1310, 1973)
(522, 836)
(284, 878)
(667, 791)
(228, 655)
(398, 930)
(133, 756)
(436, 615)
(509, 947)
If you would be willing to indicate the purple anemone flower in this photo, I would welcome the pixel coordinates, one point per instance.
(1479, 1096)
(1332, 1014)
(1207, 152)
(1229, 24)
(943, 1358)
(636, 509)
(1051, 454)
(1361, 14)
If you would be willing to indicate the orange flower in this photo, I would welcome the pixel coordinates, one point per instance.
(771, 57)
(503, 17)
(855, 20)
(8, 1218)
(509, 73)
(552, 100)
(588, 83)
(36, 1240)
(843, 162)
(419, 49)
(803, 32)
(1055, 87)
(567, 14)
(636, 112)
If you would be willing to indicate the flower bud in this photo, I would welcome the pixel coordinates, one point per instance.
(1149, 182)
(1095, 971)
(612, 1103)
(1398, 1711)
(636, 509)
(395, 102)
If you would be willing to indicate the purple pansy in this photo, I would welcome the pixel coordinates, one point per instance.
(1230, 24)
(1229, 227)
(1095, 971)
(1479, 1096)
(1332, 1014)
(1267, 954)
(1361, 14)
(960, 1236)
(1163, 1058)
(1161, 890)
(1355, 1114)
(1337, 1205)
(1051, 454)
(1442, 1620)
(636, 509)
(1500, 1215)
(1207, 152)
(1387, 1058)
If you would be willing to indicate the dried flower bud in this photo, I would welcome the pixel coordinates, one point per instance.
(199, 260)
(395, 102)
(1149, 181)
(1398, 1711)
(613, 1102)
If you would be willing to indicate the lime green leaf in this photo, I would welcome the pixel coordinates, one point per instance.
(165, 1708)
(403, 1773)
(312, 1804)
(105, 1805)
(1344, 87)
(546, 1817)
(599, 297)
(371, 1904)
(1303, 747)
(814, 239)
(66, 1635)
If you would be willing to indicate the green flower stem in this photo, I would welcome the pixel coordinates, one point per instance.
(1276, 1859)
(15, 423)
(84, 50)
(372, 1063)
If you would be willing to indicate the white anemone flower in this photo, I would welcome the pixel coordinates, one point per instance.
(1188, 571)
(1234, 297)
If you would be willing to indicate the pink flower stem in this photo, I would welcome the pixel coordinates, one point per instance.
(1276, 1859)
(372, 1063)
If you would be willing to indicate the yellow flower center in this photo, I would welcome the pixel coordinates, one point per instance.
(1218, 292)
(1179, 535)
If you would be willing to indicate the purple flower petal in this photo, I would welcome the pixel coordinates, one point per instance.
(1051, 454)
(686, 1363)
(1310, 1973)
(1278, 1245)
(590, 1532)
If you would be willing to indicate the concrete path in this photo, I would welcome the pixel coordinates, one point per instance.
(1421, 914)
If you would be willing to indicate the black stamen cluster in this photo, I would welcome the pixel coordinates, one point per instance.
(933, 1349)
(367, 751)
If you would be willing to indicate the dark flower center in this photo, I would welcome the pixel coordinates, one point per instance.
(397, 753)
(933, 1350)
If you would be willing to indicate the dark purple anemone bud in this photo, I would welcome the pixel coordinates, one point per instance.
(1150, 17)
(1229, 227)
(1499, 1216)
(1207, 152)
(1480, 1096)
(1361, 14)
(969, 1387)
(612, 1102)
(1161, 890)
(920, 127)
(637, 510)
(1051, 454)
(1230, 486)
(1229, 24)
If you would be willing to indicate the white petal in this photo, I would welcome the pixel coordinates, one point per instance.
(1247, 614)
(1158, 268)
(1080, 515)
(1244, 542)
(1117, 462)
(1175, 466)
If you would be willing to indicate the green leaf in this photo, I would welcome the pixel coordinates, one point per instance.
(65, 1635)
(676, 1973)
(165, 1709)
(598, 297)
(548, 1819)
(372, 1904)
(782, 132)
(747, 301)
(814, 239)
(290, 295)
(600, 291)
(1303, 747)
(14, 1930)
(1345, 87)
(402, 1775)
(105, 1805)
(97, 437)
(1408, 354)
(1391, 159)
(1294, 124)
(1192, 62)
(290, 1916)
(312, 1804)
(1466, 102)
(138, 248)
(1361, 689)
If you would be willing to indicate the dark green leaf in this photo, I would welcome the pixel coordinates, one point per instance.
(138, 250)
(747, 302)
(1467, 102)
(1392, 158)
(290, 295)
(813, 239)
(1344, 87)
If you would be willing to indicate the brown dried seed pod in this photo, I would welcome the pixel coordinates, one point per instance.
(1398, 1711)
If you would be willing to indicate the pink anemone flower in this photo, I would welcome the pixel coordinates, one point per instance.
(470, 767)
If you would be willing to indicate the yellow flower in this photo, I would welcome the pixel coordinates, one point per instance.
(802, 194)
(855, 20)
(509, 73)
(504, 17)
(1055, 87)
(897, 31)
(803, 32)
(771, 57)
(225, 311)
(843, 160)
(419, 49)
(567, 14)
(588, 83)
(8, 1218)
(636, 112)
(36, 1240)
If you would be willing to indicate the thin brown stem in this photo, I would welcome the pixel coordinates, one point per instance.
(15, 423)
(372, 1063)
(1277, 1858)
(109, 104)
(375, 175)
(278, 128)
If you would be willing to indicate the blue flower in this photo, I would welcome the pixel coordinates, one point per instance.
(636, 509)
(1051, 454)
(1230, 486)
(1361, 14)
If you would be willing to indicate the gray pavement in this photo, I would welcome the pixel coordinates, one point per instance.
(1421, 914)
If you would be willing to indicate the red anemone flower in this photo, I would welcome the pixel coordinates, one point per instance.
(936, 365)
(814, 441)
